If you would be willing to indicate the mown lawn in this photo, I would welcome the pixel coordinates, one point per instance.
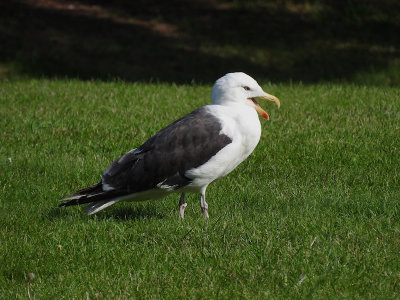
(313, 212)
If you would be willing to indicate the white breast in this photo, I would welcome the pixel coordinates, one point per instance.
(242, 125)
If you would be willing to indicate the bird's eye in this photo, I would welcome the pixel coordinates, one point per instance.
(246, 88)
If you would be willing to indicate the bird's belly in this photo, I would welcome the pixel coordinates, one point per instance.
(222, 163)
(244, 129)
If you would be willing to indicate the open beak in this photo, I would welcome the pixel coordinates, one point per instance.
(265, 97)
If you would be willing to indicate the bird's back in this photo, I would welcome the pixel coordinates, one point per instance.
(163, 160)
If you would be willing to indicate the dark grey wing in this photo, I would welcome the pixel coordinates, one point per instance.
(163, 159)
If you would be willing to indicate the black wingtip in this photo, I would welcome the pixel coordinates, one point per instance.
(81, 196)
(69, 203)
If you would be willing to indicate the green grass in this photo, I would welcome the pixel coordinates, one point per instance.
(313, 212)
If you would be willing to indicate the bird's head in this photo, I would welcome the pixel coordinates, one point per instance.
(240, 88)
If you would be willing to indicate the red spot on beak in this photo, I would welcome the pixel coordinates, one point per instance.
(265, 115)
(259, 109)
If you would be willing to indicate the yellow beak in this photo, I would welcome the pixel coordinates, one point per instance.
(271, 98)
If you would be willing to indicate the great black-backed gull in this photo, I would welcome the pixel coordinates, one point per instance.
(187, 155)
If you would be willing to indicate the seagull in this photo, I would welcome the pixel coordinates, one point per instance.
(187, 155)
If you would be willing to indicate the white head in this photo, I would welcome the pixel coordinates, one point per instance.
(240, 88)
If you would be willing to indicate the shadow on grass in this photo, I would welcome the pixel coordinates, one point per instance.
(120, 212)
(132, 212)
(63, 213)
(178, 41)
